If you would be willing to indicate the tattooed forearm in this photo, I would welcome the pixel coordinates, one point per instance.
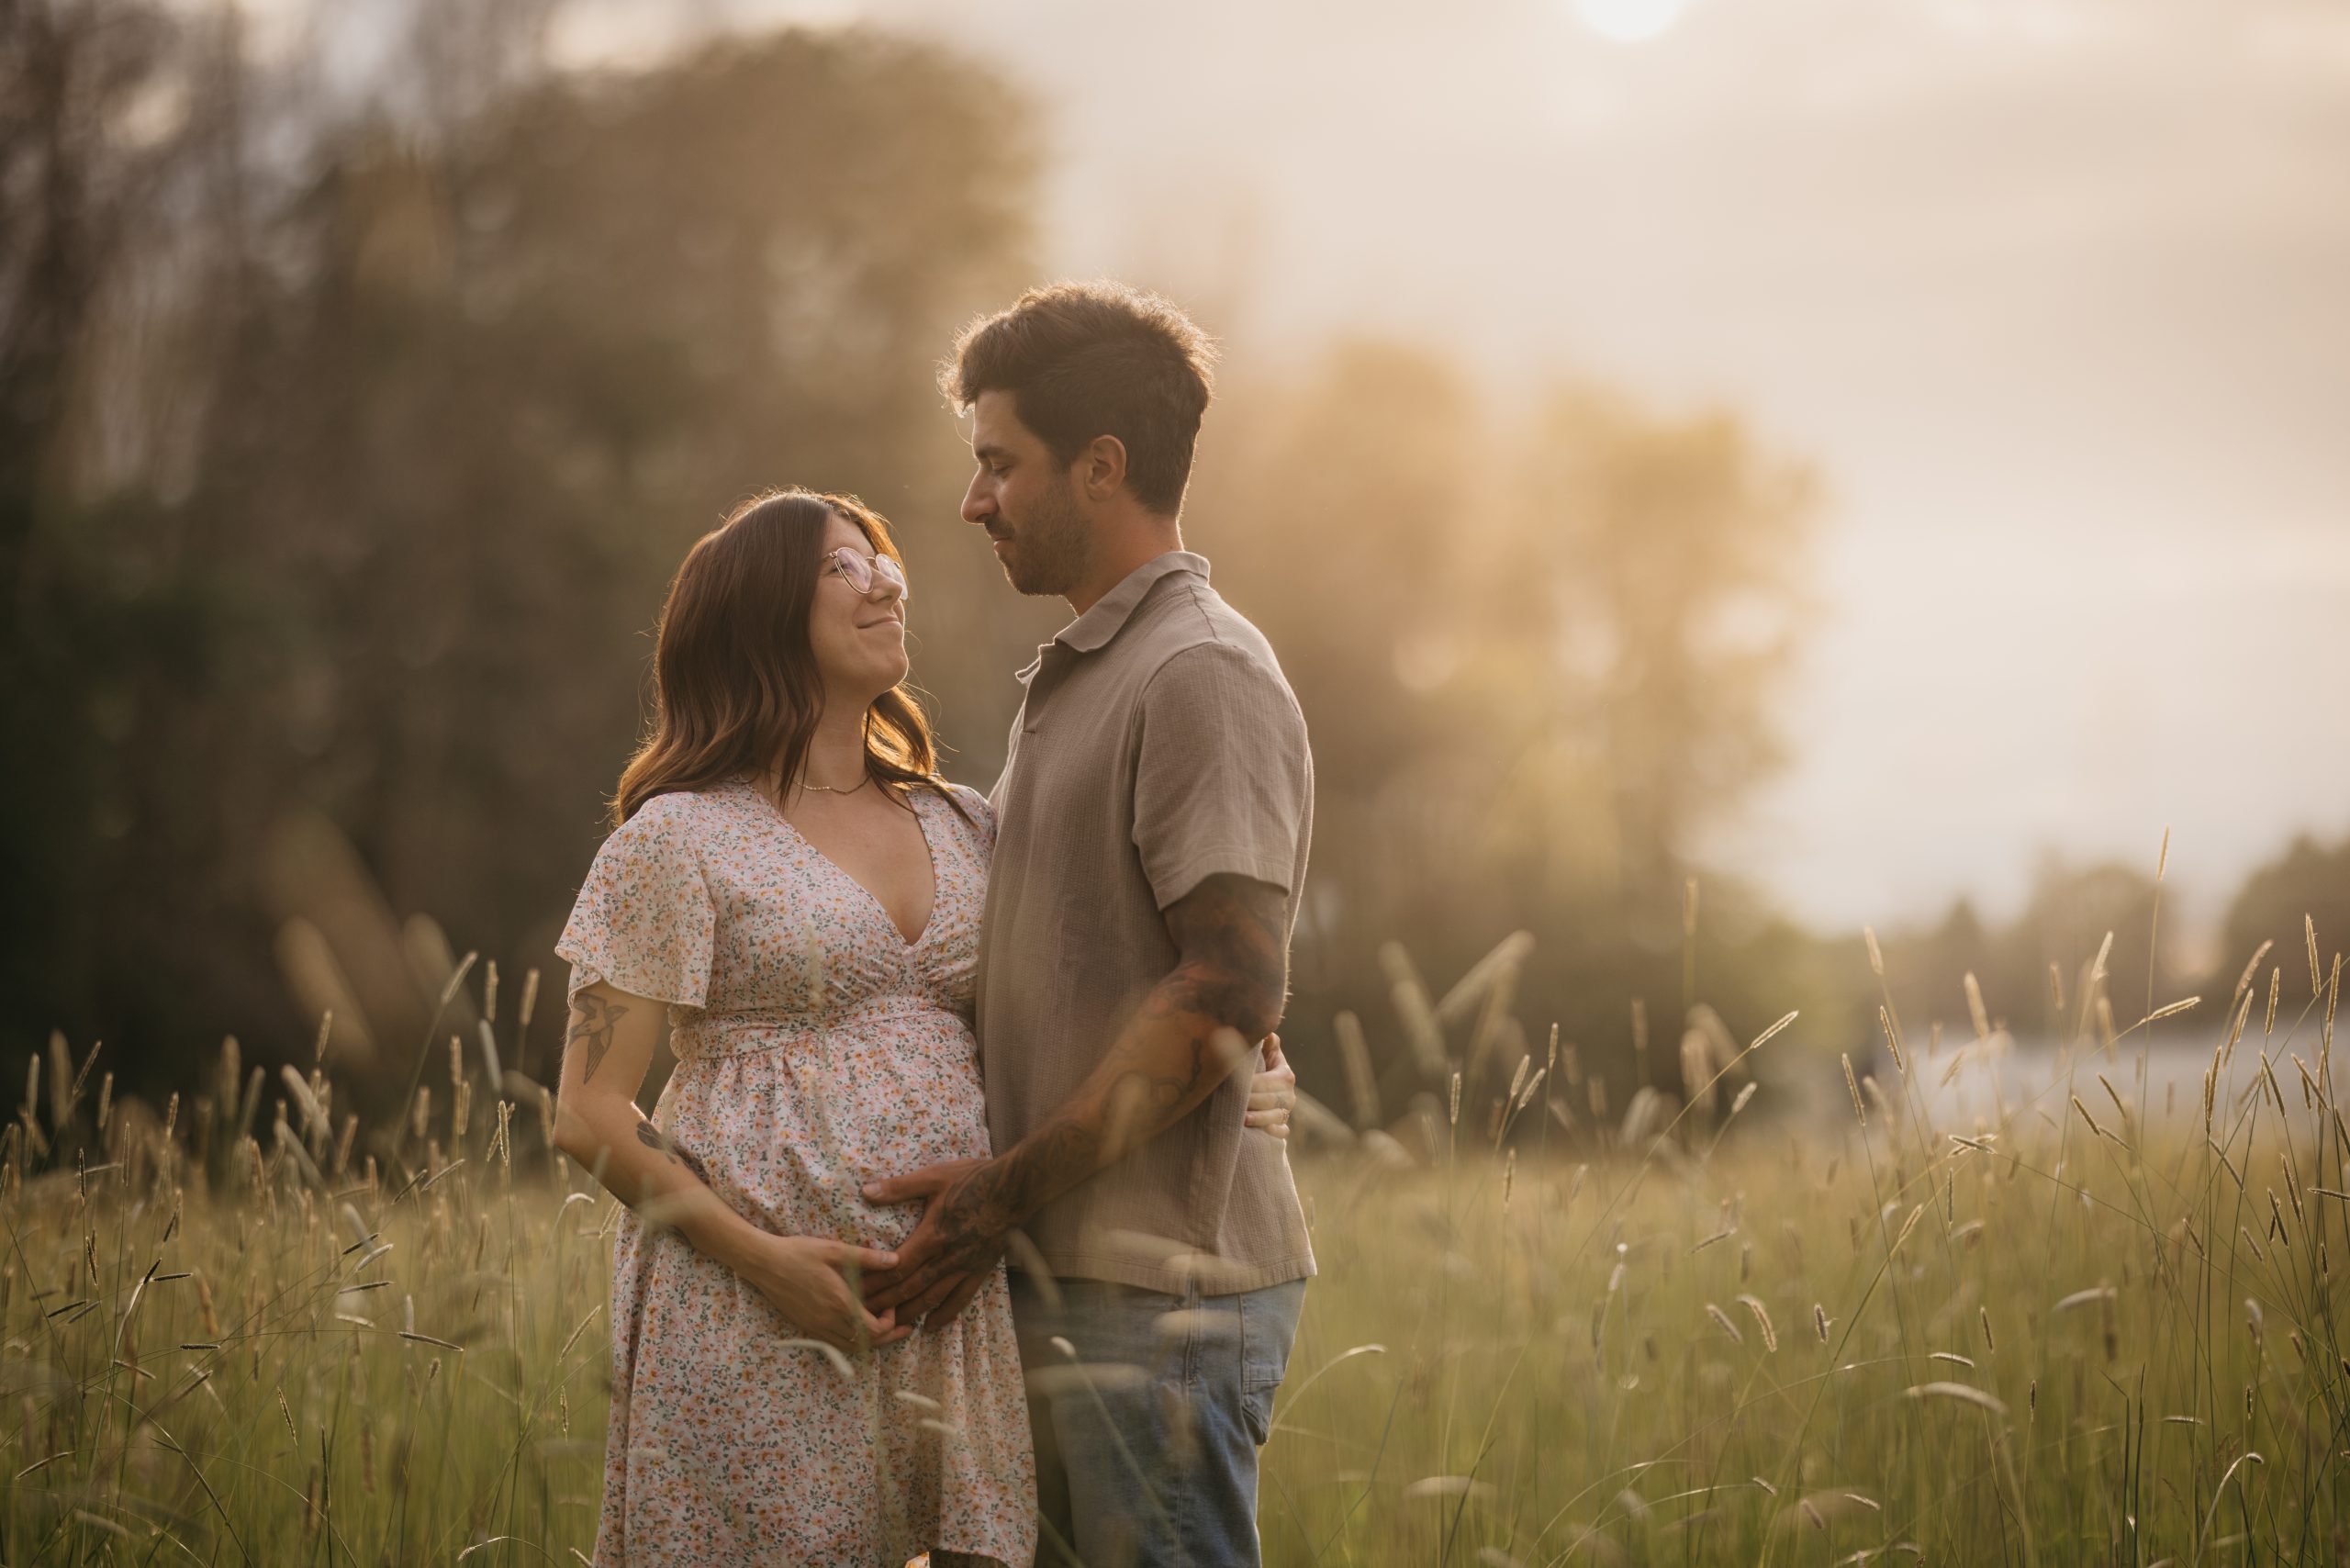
(1197, 1023)
(1005, 1191)
(591, 1030)
(653, 1138)
(1226, 994)
(1234, 935)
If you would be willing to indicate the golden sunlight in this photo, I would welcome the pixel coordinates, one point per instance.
(1629, 21)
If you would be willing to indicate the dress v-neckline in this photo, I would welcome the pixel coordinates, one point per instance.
(906, 944)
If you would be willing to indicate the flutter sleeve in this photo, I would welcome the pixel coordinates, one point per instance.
(644, 921)
(979, 814)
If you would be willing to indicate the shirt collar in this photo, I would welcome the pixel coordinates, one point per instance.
(1094, 630)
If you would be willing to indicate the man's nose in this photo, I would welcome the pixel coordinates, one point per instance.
(978, 506)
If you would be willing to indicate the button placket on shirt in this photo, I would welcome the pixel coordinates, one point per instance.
(1052, 666)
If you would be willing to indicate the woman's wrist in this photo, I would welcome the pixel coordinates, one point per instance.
(720, 1233)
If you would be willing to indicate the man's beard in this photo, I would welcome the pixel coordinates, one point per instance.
(1051, 547)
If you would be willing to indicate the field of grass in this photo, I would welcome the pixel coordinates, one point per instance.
(2081, 1332)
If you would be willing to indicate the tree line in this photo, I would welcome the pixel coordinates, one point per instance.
(348, 440)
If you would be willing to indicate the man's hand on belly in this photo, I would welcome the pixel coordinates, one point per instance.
(1225, 990)
(943, 1264)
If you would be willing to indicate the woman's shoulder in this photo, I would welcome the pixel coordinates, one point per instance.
(674, 819)
(963, 804)
(972, 802)
(670, 812)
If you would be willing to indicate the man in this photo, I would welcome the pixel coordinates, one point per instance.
(1153, 819)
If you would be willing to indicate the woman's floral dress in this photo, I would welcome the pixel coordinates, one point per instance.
(817, 1049)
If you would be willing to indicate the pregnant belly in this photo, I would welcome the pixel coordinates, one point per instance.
(790, 1134)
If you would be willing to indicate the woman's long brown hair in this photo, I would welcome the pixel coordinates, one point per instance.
(736, 686)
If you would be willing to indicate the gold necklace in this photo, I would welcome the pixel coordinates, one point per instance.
(832, 789)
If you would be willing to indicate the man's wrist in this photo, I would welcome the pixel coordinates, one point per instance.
(988, 1191)
(1037, 1169)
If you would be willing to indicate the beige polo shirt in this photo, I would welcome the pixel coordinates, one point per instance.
(1158, 745)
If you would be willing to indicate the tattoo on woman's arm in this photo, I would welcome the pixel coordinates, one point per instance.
(653, 1138)
(592, 1032)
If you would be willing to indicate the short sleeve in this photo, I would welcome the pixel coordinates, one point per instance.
(1223, 781)
(644, 920)
(979, 812)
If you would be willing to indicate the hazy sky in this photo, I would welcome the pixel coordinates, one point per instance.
(2055, 293)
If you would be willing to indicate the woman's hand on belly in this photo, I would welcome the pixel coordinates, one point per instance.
(958, 1278)
(809, 1279)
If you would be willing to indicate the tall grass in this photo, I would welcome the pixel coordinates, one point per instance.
(2087, 1329)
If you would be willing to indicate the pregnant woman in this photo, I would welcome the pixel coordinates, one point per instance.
(793, 886)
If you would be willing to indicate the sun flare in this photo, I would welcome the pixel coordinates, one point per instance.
(1629, 21)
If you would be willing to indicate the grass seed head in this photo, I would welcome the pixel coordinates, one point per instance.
(2332, 999)
(2243, 981)
(1964, 1393)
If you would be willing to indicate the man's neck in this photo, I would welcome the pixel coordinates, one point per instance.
(1118, 552)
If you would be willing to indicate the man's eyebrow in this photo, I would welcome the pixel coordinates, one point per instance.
(983, 453)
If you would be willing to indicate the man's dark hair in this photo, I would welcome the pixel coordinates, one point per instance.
(1083, 360)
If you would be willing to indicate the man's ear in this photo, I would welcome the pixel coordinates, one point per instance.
(1101, 467)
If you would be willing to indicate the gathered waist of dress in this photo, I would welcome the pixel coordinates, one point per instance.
(702, 1035)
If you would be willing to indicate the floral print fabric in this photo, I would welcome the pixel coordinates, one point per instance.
(817, 1049)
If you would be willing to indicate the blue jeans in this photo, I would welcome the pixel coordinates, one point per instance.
(1147, 1443)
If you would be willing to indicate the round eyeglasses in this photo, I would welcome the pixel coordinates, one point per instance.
(864, 571)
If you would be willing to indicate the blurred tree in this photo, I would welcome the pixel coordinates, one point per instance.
(2306, 887)
(1927, 969)
(1334, 505)
(1664, 563)
(1536, 661)
(1643, 594)
(2064, 924)
(480, 389)
(115, 120)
